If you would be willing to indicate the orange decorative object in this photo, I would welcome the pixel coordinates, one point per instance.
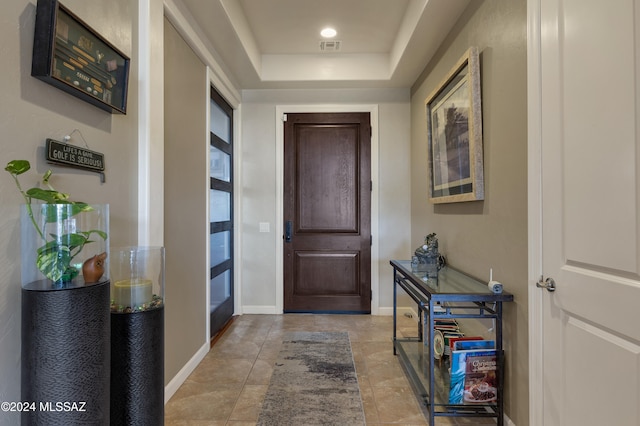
(93, 268)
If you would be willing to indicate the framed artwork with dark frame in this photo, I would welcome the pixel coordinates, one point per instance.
(71, 56)
(454, 126)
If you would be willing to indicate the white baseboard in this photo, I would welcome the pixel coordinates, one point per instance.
(177, 381)
(385, 311)
(407, 311)
(268, 310)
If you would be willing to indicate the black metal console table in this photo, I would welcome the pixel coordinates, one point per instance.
(455, 296)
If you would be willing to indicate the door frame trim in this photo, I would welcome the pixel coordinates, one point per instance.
(534, 190)
(320, 108)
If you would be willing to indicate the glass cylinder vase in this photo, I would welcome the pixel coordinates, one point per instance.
(137, 279)
(64, 245)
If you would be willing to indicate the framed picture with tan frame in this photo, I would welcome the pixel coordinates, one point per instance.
(454, 126)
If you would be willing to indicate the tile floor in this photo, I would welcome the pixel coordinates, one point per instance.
(228, 386)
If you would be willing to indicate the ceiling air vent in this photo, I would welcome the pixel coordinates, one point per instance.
(330, 45)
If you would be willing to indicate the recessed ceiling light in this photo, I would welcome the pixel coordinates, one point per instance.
(328, 33)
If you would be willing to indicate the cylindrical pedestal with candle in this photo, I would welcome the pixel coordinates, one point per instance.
(137, 335)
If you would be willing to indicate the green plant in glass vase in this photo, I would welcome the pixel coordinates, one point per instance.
(54, 258)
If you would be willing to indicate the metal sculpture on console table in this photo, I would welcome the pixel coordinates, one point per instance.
(427, 259)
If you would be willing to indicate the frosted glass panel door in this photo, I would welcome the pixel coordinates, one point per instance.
(220, 212)
(219, 164)
(220, 121)
(219, 206)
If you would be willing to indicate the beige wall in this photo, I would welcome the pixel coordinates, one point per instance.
(259, 184)
(186, 187)
(477, 236)
(30, 112)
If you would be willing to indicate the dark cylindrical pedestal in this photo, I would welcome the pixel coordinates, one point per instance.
(66, 355)
(137, 368)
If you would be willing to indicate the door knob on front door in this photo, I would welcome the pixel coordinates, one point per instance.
(549, 284)
(288, 230)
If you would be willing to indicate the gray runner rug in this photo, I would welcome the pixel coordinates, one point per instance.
(314, 383)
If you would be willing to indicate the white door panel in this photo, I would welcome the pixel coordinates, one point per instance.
(608, 300)
(584, 376)
(598, 110)
(590, 99)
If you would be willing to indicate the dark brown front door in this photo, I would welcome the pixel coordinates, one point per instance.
(327, 212)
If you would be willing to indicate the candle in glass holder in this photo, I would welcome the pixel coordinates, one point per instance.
(132, 293)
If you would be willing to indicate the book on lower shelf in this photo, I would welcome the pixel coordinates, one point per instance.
(449, 329)
(473, 376)
(466, 344)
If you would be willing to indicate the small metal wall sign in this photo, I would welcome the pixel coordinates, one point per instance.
(74, 156)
